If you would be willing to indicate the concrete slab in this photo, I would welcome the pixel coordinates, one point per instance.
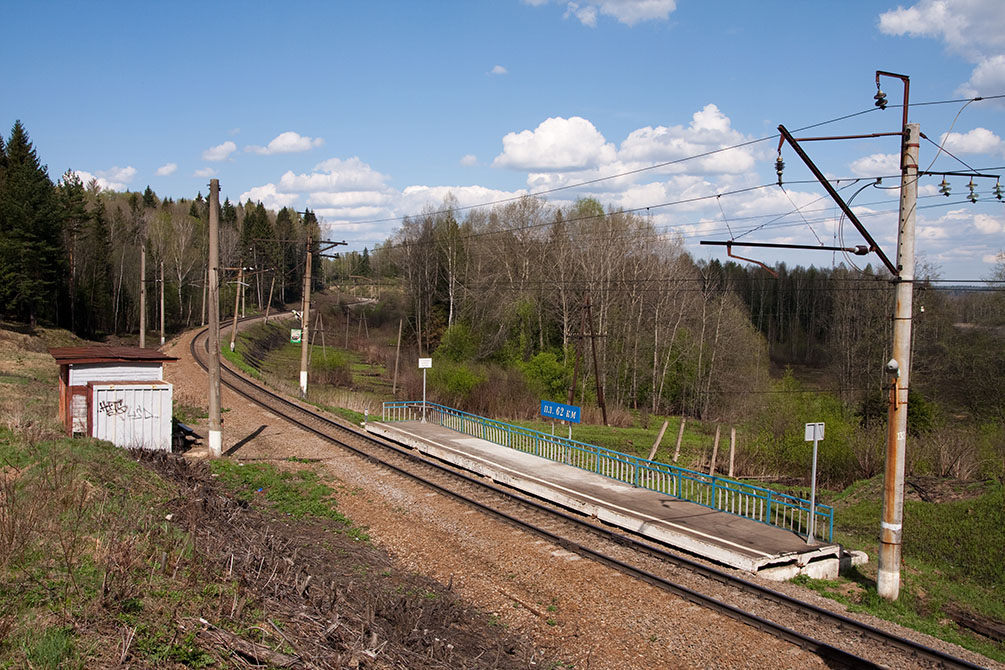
(718, 536)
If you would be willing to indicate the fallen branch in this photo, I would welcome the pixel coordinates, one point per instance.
(250, 650)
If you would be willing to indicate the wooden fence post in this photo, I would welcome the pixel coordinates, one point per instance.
(715, 452)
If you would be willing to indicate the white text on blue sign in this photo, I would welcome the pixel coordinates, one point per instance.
(556, 410)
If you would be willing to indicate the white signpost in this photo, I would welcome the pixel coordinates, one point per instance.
(424, 364)
(814, 433)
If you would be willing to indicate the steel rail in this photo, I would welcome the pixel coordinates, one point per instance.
(822, 649)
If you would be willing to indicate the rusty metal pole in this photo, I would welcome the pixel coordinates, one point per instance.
(891, 525)
(213, 276)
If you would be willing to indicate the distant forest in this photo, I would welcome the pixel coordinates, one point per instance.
(509, 285)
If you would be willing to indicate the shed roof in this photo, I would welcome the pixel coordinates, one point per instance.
(102, 354)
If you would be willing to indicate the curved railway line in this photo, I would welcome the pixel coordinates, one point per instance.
(839, 640)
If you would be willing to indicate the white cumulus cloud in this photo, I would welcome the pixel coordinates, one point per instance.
(287, 143)
(988, 78)
(269, 196)
(112, 179)
(876, 165)
(709, 130)
(220, 152)
(335, 174)
(498, 69)
(204, 172)
(556, 144)
(469, 160)
(988, 225)
(964, 25)
(977, 141)
(973, 28)
(628, 12)
(167, 169)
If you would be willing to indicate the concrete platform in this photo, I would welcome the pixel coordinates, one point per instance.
(718, 536)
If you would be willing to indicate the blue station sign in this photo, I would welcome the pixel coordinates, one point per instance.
(556, 410)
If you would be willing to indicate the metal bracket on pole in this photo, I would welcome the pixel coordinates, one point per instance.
(729, 252)
(873, 245)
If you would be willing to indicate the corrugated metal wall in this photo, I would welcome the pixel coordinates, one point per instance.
(132, 415)
(82, 373)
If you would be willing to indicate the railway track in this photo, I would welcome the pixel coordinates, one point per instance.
(838, 639)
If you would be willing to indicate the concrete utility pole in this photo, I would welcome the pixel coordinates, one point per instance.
(899, 368)
(143, 294)
(305, 320)
(215, 432)
(162, 303)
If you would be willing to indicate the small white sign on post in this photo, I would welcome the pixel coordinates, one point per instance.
(424, 364)
(814, 433)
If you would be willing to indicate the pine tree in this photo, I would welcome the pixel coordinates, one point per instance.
(96, 288)
(30, 237)
(228, 215)
(364, 264)
(74, 216)
(149, 198)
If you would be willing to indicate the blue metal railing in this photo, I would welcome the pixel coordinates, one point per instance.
(726, 495)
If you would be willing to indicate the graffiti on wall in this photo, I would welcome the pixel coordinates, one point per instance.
(119, 409)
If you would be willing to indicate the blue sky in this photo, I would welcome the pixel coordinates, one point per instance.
(368, 111)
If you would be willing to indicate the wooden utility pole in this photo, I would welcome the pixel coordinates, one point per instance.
(575, 363)
(680, 438)
(715, 452)
(237, 304)
(205, 291)
(268, 304)
(305, 319)
(215, 432)
(659, 438)
(143, 294)
(732, 449)
(397, 355)
(596, 367)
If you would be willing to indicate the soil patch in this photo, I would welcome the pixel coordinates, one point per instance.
(336, 601)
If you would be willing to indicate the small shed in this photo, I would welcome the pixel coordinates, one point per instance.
(116, 394)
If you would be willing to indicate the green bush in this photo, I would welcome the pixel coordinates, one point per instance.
(458, 344)
(332, 367)
(547, 377)
(453, 382)
(779, 443)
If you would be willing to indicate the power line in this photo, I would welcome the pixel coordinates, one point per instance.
(664, 164)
